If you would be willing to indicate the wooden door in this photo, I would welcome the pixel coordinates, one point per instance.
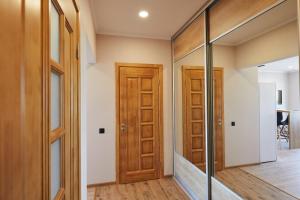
(21, 84)
(63, 104)
(139, 122)
(194, 117)
(218, 119)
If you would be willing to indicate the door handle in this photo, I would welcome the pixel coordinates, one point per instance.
(123, 127)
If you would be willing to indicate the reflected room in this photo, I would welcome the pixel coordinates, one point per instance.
(257, 106)
(189, 99)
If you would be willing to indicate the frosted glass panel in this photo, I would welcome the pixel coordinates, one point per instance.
(54, 34)
(55, 100)
(55, 168)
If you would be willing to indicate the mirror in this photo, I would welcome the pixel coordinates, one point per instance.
(189, 74)
(189, 99)
(256, 140)
(189, 109)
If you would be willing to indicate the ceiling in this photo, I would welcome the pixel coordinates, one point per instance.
(282, 14)
(287, 65)
(120, 17)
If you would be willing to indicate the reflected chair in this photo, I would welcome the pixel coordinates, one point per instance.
(282, 127)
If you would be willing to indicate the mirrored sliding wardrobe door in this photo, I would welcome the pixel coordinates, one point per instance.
(189, 99)
(256, 106)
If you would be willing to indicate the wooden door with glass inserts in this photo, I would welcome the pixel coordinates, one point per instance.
(62, 100)
(194, 119)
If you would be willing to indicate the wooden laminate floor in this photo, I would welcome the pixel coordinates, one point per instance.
(250, 187)
(283, 174)
(161, 189)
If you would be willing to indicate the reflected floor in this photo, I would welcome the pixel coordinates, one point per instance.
(283, 174)
(282, 144)
(278, 180)
(250, 187)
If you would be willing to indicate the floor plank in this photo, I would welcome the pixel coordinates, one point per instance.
(161, 189)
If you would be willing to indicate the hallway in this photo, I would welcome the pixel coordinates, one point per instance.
(160, 189)
(150, 100)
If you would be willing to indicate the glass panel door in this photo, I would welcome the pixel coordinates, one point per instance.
(57, 105)
(55, 167)
(55, 33)
(55, 100)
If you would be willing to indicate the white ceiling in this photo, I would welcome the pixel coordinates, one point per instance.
(282, 66)
(279, 16)
(120, 17)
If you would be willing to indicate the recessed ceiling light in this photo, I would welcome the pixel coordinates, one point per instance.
(143, 14)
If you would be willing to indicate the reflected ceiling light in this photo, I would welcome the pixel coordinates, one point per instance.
(143, 14)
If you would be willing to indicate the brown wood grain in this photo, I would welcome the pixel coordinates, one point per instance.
(160, 189)
(191, 38)
(227, 14)
(283, 174)
(24, 126)
(32, 112)
(20, 101)
(249, 186)
(139, 108)
(193, 116)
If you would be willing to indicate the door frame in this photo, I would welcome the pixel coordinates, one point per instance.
(187, 67)
(118, 65)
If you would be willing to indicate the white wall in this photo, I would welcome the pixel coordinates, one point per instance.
(288, 83)
(87, 26)
(293, 88)
(275, 45)
(281, 81)
(241, 102)
(101, 109)
(268, 122)
(87, 56)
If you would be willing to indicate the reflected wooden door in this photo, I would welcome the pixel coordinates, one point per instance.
(193, 99)
(139, 122)
(218, 119)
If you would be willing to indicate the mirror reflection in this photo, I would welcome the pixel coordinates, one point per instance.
(189, 80)
(190, 130)
(257, 106)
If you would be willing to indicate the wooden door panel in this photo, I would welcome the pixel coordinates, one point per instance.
(193, 116)
(193, 105)
(147, 131)
(218, 119)
(139, 133)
